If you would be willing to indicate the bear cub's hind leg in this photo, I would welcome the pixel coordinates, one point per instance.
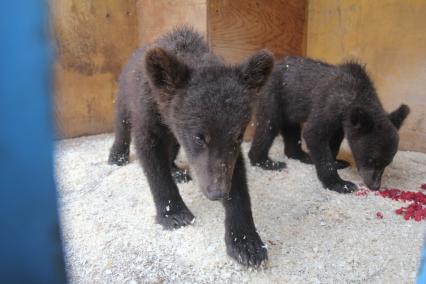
(264, 135)
(293, 143)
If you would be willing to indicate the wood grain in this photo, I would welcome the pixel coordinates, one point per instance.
(93, 39)
(237, 28)
(157, 17)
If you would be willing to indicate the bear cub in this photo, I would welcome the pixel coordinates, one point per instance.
(177, 93)
(332, 102)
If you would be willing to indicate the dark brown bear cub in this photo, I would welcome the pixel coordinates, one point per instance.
(175, 93)
(333, 101)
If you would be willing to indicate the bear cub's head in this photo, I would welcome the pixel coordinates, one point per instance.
(207, 107)
(374, 141)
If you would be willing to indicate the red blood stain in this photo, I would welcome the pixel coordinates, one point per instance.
(379, 215)
(423, 186)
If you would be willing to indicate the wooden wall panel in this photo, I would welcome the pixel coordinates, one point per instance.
(238, 28)
(94, 39)
(157, 17)
(390, 37)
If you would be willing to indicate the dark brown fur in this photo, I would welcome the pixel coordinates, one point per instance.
(333, 102)
(177, 93)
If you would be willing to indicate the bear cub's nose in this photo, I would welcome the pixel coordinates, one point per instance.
(216, 193)
(374, 186)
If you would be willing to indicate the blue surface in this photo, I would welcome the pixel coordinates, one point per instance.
(421, 277)
(30, 245)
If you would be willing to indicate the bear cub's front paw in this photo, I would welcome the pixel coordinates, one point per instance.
(246, 248)
(344, 187)
(174, 214)
(271, 165)
(181, 175)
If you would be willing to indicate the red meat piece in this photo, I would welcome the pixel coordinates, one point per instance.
(379, 215)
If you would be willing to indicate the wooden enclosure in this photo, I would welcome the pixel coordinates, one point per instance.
(95, 38)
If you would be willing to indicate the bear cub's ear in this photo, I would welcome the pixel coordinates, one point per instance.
(361, 120)
(165, 71)
(398, 116)
(256, 69)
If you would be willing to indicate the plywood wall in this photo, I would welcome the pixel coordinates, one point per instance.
(238, 28)
(157, 17)
(390, 37)
(94, 38)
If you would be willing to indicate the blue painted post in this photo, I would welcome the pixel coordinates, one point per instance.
(30, 243)
(421, 277)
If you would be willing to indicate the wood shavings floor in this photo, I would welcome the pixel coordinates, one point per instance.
(313, 235)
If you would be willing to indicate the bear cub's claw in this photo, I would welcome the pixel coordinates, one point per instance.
(271, 165)
(246, 248)
(174, 214)
(181, 176)
(344, 187)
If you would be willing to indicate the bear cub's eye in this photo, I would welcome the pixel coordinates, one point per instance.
(200, 139)
(240, 138)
